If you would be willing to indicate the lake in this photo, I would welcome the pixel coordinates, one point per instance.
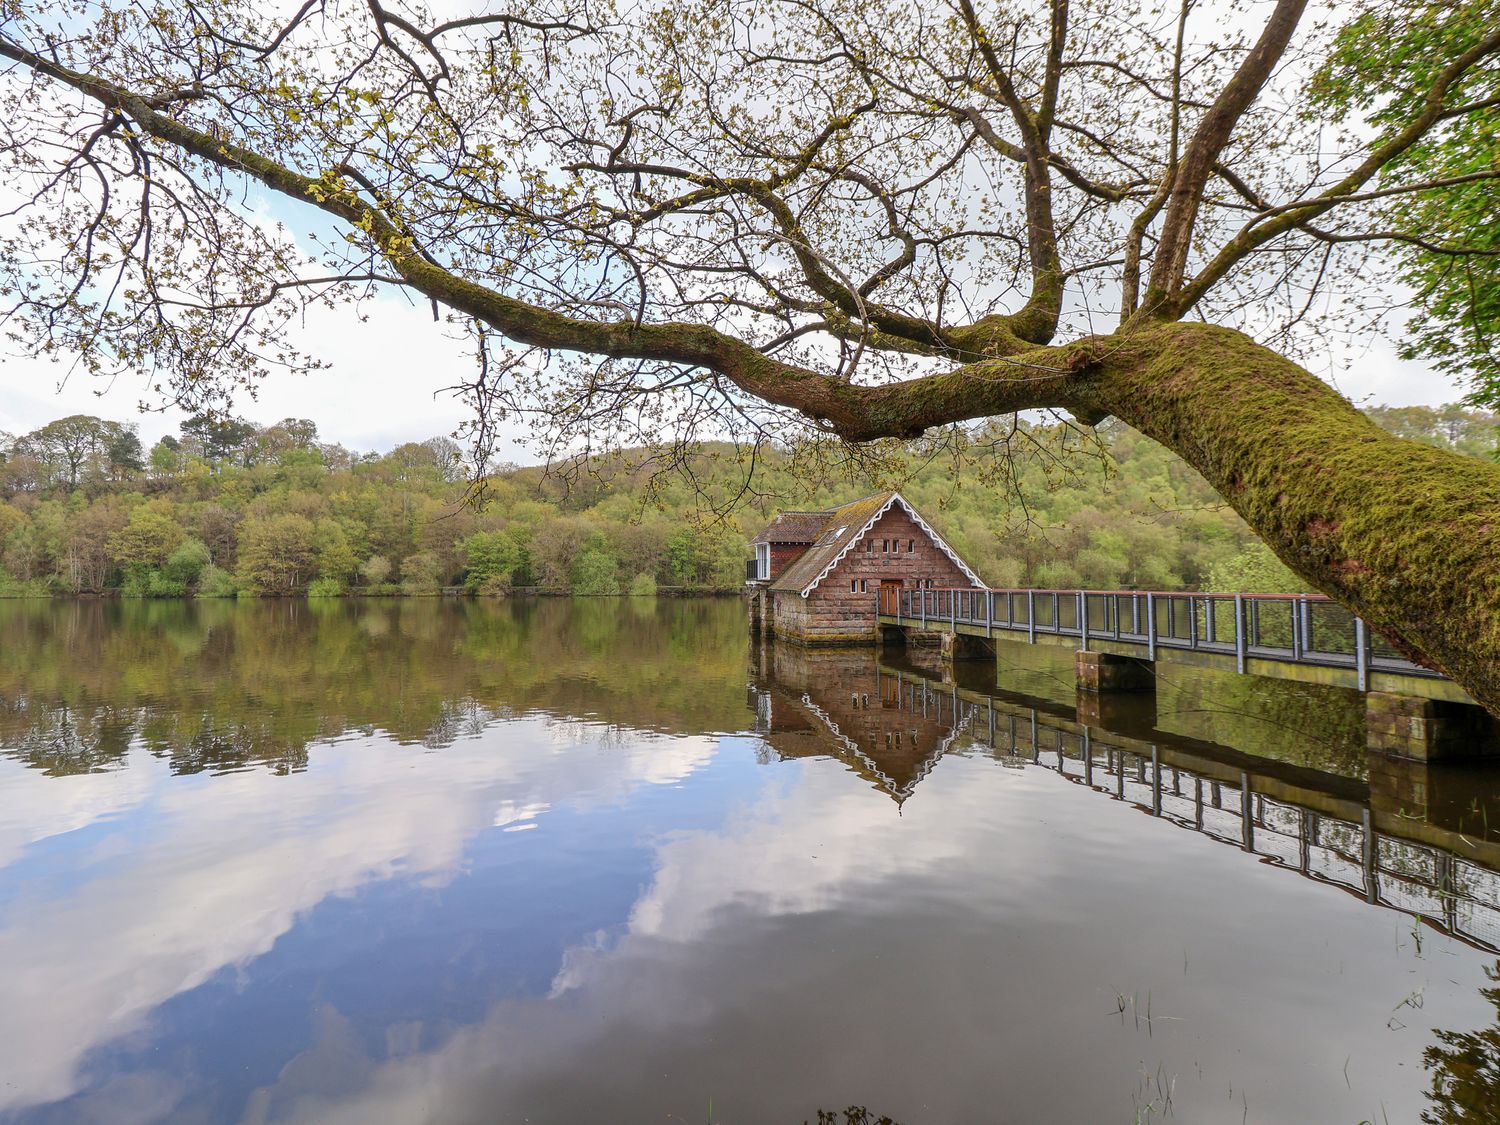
(614, 861)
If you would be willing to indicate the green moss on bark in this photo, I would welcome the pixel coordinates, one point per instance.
(1405, 535)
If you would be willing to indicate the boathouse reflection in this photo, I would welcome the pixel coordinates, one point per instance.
(838, 702)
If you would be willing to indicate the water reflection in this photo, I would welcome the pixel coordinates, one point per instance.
(1465, 1068)
(223, 685)
(459, 862)
(1413, 836)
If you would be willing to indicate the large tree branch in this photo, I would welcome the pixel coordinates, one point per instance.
(1191, 175)
(1037, 321)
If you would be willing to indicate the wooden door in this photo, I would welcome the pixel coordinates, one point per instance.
(890, 597)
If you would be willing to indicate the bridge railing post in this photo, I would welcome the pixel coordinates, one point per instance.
(1247, 816)
(1361, 654)
(1239, 632)
(1083, 619)
(1151, 626)
(1031, 616)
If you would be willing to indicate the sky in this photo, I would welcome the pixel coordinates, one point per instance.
(384, 386)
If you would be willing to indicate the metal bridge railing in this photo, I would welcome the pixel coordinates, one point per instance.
(1291, 628)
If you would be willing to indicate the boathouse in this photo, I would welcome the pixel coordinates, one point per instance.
(818, 577)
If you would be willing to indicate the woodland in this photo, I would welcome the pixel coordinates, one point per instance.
(226, 508)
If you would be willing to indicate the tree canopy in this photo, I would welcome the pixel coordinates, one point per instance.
(967, 185)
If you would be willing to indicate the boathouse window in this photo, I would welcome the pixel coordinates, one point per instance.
(762, 561)
(911, 545)
(853, 585)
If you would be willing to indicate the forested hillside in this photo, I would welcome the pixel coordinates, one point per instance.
(228, 507)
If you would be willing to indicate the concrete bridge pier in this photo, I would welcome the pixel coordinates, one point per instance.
(960, 646)
(1104, 672)
(1428, 730)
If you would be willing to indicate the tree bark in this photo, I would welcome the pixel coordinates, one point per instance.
(1405, 535)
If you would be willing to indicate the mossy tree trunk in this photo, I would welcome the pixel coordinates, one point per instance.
(1405, 535)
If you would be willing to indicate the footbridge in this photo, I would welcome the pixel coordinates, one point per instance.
(1121, 635)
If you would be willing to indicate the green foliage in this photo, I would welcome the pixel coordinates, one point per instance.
(1255, 570)
(1384, 62)
(335, 557)
(14, 588)
(325, 588)
(375, 570)
(216, 583)
(595, 572)
(643, 586)
(421, 573)
(276, 553)
(186, 564)
(151, 535)
(493, 559)
(1475, 433)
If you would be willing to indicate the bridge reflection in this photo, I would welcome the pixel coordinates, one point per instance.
(1409, 836)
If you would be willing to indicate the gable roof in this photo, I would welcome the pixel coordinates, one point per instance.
(844, 528)
(794, 527)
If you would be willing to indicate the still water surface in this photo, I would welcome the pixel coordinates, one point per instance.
(607, 861)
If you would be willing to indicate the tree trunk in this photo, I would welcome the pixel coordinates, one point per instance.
(1404, 535)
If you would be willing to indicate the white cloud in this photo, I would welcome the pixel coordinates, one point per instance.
(38, 807)
(90, 962)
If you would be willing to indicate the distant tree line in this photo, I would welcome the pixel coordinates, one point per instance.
(227, 507)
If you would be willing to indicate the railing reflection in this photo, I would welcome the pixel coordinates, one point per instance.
(893, 726)
(1455, 893)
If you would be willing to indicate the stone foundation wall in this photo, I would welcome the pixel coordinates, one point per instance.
(1427, 729)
